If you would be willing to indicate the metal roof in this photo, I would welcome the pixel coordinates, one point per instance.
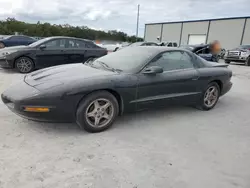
(204, 20)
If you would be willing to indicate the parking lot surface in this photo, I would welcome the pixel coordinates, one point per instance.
(178, 147)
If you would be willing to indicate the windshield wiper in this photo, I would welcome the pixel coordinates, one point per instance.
(108, 67)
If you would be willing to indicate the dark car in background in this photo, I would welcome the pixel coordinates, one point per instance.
(202, 50)
(240, 54)
(138, 44)
(48, 52)
(15, 40)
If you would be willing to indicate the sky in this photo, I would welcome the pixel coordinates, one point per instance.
(120, 15)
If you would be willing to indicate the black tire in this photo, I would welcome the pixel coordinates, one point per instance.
(87, 103)
(202, 104)
(24, 65)
(227, 62)
(247, 63)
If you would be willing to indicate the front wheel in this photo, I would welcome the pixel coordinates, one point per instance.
(97, 111)
(247, 63)
(210, 97)
(24, 65)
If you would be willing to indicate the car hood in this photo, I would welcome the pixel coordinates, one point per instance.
(239, 49)
(63, 75)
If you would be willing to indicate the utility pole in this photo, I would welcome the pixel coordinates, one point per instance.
(137, 25)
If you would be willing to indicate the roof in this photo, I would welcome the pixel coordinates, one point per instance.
(204, 20)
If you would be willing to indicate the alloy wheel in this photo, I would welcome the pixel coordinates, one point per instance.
(99, 113)
(211, 96)
(24, 65)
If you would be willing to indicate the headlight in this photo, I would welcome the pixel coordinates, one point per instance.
(244, 53)
(7, 53)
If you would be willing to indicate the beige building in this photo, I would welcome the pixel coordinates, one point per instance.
(231, 32)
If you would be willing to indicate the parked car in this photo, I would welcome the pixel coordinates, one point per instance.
(138, 44)
(202, 50)
(49, 52)
(15, 40)
(132, 79)
(240, 54)
(169, 44)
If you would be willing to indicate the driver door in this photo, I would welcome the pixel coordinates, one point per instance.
(52, 53)
(177, 83)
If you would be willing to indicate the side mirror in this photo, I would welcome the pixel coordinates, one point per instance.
(43, 46)
(153, 70)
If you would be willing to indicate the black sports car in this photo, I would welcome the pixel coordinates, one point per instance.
(49, 52)
(132, 79)
(15, 40)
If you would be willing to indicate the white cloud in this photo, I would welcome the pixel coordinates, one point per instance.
(112, 14)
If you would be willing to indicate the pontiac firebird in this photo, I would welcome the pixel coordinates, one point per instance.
(95, 93)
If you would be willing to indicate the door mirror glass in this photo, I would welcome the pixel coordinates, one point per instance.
(43, 46)
(153, 70)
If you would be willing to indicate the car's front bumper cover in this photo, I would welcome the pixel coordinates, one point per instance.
(59, 110)
(4, 63)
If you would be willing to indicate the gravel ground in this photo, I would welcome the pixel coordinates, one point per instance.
(179, 147)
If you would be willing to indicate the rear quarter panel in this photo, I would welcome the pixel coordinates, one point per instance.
(219, 74)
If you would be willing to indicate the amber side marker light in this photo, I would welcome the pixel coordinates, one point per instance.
(36, 109)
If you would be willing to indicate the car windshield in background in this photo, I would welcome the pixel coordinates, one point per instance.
(39, 42)
(244, 47)
(128, 60)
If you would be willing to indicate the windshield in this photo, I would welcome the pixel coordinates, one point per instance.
(39, 42)
(244, 47)
(127, 60)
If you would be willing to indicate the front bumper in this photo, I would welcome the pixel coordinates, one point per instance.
(226, 88)
(4, 63)
(235, 58)
(15, 98)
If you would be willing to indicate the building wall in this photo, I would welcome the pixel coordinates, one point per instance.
(193, 28)
(152, 32)
(171, 32)
(246, 38)
(228, 32)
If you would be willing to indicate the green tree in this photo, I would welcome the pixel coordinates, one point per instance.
(11, 25)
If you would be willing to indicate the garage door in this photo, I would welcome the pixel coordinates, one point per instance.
(196, 39)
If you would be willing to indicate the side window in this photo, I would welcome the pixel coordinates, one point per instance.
(174, 60)
(57, 43)
(170, 44)
(175, 44)
(80, 44)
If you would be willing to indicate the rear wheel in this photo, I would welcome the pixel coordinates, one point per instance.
(24, 65)
(247, 63)
(227, 62)
(97, 111)
(210, 97)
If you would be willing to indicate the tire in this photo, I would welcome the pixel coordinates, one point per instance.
(227, 62)
(24, 65)
(247, 63)
(105, 114)
(116, 49)
(2, 45)
(203, 104)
